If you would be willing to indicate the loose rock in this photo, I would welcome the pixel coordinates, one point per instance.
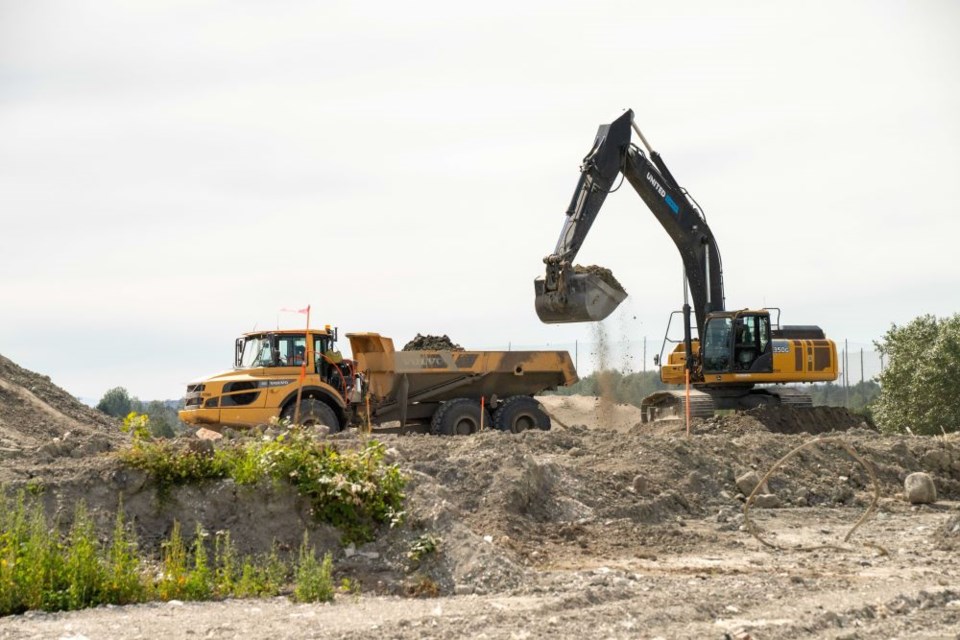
(749, 481)
(920, 489)
(766, 501)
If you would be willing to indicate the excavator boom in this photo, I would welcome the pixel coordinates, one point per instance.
(568, 295)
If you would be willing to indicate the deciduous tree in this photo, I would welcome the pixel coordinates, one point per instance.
(920, 386)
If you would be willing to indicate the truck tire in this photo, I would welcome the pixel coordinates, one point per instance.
(313, 413)
(459, 417)
(519, 413)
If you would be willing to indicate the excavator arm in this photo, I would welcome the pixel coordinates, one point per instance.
(572, 294)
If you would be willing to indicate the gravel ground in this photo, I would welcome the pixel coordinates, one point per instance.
(598, 528)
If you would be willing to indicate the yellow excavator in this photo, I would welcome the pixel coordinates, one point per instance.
(738, 359)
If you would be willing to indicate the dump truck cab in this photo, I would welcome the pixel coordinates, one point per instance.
(264, 381)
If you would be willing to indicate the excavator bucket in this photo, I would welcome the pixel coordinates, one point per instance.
(587, 297)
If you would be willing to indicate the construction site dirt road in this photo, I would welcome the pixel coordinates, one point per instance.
(601, 527)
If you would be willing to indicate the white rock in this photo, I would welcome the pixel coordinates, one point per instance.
(919, 488)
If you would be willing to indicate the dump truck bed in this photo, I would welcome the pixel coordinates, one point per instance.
(437, 376)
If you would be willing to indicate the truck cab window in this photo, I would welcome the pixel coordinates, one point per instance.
(291, 350)
(256, 352)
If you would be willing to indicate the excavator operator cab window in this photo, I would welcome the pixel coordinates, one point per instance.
(716, 344)
(752, 339)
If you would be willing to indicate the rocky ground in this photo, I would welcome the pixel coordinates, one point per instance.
(598, 528)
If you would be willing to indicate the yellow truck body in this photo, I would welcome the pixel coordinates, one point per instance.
(439, 391)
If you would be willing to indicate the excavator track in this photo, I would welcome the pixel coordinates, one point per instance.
(779, 409)
(671, 405)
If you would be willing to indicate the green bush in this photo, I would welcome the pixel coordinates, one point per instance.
(314, 577)
(920, 388)
(351, 490)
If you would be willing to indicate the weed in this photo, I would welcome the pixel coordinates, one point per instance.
(173, 579)
(124, 583)
(225, 561)
(423, 546)
(422, 587)
(84, 574)
(199, 584)
(35, 487)
(137, 425)
(314, 577)
(350, 586)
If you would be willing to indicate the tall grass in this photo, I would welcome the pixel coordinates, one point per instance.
(42, 568)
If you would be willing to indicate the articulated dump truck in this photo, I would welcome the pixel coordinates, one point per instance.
(441, 392)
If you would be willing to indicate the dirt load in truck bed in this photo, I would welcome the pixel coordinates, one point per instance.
(432, 343)
(593, 529)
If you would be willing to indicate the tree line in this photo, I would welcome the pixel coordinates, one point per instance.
(164, 422)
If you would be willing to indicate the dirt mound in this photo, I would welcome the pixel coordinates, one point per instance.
(37, 415)
(809, 419)
(601, 272)
(432, 343)
(781, 419)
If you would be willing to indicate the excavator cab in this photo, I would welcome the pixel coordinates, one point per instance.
(737, 342)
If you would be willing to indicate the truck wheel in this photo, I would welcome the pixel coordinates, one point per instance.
(313, 413)
(519, 413)
(459, 417)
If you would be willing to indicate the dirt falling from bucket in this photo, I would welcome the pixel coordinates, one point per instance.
(606, 393)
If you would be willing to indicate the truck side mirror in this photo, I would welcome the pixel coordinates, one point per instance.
(656, 360)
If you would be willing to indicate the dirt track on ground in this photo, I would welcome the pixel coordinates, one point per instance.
(598, 528)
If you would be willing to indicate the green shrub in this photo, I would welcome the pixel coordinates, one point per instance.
(124, 583)
(314, 580)
(40, 569)
(352, 490)
(172, 584)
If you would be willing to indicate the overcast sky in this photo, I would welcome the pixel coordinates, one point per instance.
(174, 173)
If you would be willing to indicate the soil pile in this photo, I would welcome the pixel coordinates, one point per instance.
(432, 343)
(809, 419)
(601, 272)
(784, 419)
(37, 415)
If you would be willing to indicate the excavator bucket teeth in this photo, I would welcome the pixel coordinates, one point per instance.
(587, 299)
